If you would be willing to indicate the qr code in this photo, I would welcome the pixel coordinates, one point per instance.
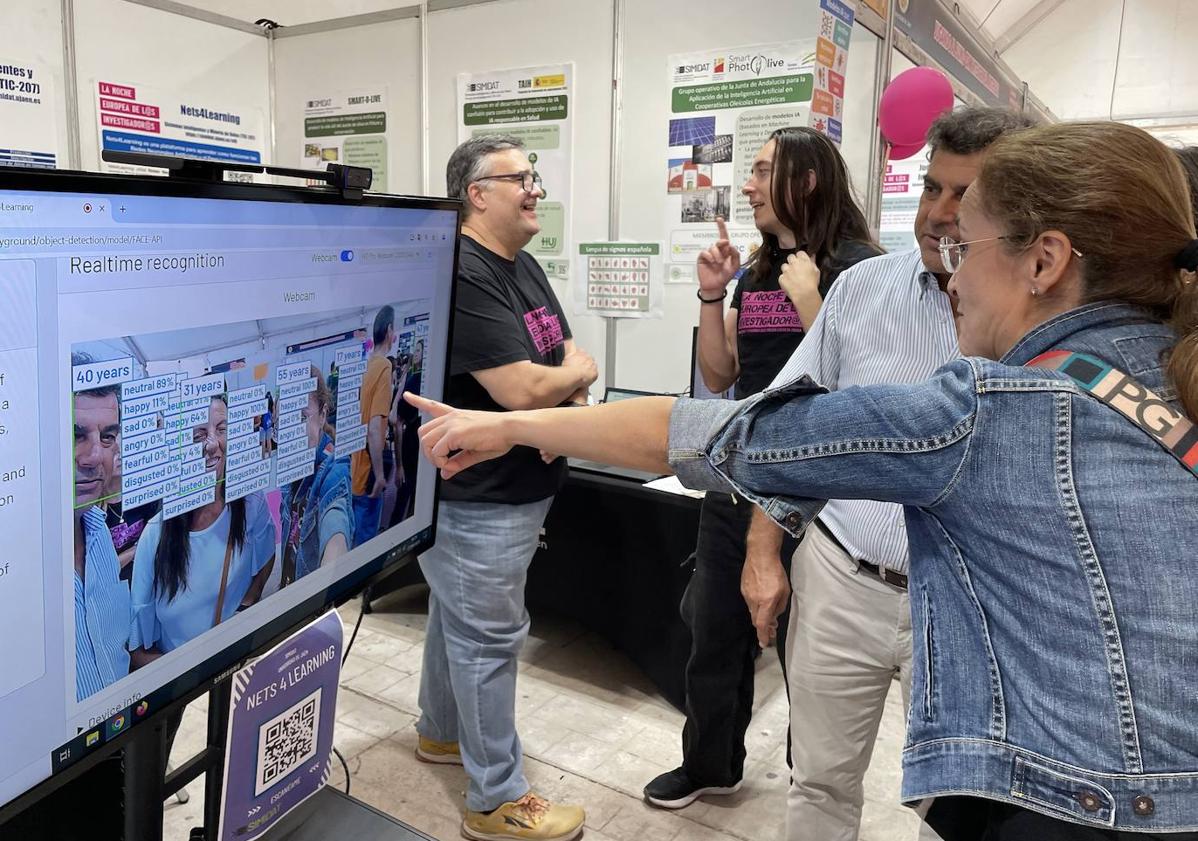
(287, 741)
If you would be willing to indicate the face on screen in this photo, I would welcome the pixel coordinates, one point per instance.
(315, 417)
(97, 437)
(214, 436)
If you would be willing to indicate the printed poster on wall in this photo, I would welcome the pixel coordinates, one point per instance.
(724, 104)
(534, 104)
(280, 741)
(901, 187)
(28, 129)
(348, 128)
(619, 280)
(135, 118)
(831, 63)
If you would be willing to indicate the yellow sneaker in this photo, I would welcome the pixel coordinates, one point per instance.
(530, 817)
(442, 753)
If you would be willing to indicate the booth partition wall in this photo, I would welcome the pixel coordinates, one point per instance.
(620, 101)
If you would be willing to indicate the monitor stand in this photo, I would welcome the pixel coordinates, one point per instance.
(147, 783)
(329, 813)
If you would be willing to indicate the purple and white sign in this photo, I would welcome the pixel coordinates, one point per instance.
(281, 729)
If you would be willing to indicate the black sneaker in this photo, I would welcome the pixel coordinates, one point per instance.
(675, 789)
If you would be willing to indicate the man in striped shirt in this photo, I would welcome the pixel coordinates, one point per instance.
(101, 598)
(885, 320)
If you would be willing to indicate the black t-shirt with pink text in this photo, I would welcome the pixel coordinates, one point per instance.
(505, 311)
(768, 327)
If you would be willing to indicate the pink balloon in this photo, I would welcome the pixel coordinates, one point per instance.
(899, 153)
(911, 103)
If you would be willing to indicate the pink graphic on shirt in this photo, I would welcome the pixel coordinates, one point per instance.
(545, 329)
(768, 312)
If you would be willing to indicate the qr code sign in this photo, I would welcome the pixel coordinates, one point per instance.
(287, 741)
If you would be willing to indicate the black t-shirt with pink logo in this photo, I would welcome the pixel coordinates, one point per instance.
(768, 327)
(505, 312)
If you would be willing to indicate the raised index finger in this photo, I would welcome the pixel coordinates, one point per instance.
(721, 227)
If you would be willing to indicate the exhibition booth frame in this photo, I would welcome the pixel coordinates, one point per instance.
(618, 49)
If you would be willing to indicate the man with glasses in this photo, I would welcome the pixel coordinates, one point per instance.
(101, 597)
(885, 320)
(512, 349)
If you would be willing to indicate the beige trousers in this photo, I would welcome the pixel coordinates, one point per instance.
(849, 638)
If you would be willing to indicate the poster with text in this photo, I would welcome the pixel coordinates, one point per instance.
(135, 118)
(533, 104)
(348, 128)
(619, 280)
(831, 64)
(724, 104)
(28, 135)
(901, 187)
(280, 737)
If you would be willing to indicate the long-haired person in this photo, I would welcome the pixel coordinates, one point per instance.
(1050, 480)
(812, 229)
(316, 512)
(197, 569)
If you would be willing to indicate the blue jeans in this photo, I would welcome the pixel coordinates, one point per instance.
(477, 625)
(367, 511)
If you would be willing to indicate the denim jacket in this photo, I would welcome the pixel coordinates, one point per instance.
(327, 508)
(1054, 563)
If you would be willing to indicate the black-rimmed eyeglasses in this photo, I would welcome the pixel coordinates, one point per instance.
(530, 182)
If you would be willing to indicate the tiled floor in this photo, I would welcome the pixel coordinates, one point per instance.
(593, 730)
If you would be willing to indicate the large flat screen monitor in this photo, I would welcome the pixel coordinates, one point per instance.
(197, 398)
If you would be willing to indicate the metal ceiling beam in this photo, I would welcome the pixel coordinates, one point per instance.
(70, 79)
(872, 21)
(1014, 33)
(368, 19)
(442, 5)
(192, 12)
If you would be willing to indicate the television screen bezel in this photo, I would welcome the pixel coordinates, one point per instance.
(185, 688)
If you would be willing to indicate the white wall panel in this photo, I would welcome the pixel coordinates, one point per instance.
(525, 33)
(32, 31)
(654, 354)
(132, 43)
(346, 59)
(125, 42)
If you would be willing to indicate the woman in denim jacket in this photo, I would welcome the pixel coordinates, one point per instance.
(1054, 542)
(316, 510)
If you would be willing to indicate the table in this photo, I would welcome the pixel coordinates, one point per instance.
(616, 556)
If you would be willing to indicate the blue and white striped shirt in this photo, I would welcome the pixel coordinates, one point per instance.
(885, 321)
(101, 611)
